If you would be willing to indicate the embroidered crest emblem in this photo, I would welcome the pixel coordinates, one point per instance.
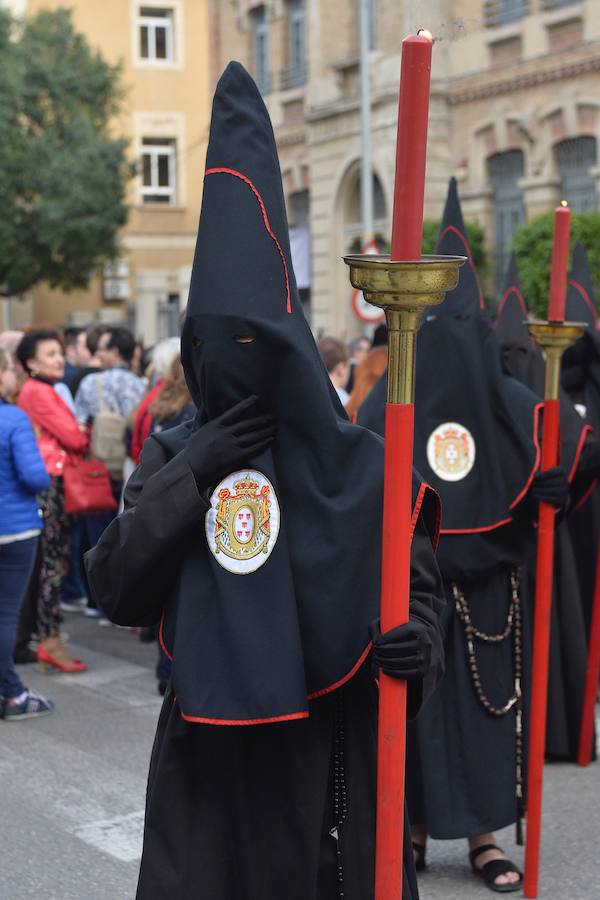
(451, 451)
(242, 524)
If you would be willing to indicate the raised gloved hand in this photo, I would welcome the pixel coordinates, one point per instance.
(404, 652)
(229, 442)
(551, 486)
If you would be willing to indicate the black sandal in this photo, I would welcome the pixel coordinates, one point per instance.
(419, 850)
(494, 869)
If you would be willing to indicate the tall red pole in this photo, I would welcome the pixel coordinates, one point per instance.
(541, 648)
(407, 237)
(586, 734)
(403, 285)
(551, 336)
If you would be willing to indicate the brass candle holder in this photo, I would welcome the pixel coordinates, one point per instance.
(554, 338)
(403, 290)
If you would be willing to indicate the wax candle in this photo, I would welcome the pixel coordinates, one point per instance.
(411, 147)
(560, 261)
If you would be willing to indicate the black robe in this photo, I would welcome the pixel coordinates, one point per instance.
(244, 813)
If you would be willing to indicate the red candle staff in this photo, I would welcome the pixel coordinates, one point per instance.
(586, 733)
(554, 337)
(403, 286)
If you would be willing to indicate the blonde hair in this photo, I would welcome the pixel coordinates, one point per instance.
(174, 394)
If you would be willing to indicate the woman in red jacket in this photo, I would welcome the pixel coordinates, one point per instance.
(59, 435)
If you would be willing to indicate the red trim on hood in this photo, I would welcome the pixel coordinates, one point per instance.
(454, 230)
(246, 180)
(587, 429)
(520, 300)
(587, 300)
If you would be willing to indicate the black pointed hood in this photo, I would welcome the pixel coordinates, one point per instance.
(254, 638)
(510, 323)
(452, 241)
(581, 303)
(519, 351)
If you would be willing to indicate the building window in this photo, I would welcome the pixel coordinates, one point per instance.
(575, 159)
(502, 12)
(155, 26)
(296, 71)
(159, 170)
(262, 60)
(505, 170)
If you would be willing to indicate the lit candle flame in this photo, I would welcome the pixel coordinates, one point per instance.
(563, 203)
(423, 32)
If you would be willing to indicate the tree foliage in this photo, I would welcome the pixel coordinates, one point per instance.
(63, 176)
(533, 245)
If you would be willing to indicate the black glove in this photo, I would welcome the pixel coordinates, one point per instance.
(228, 442)
(404, 652)
(551, 486)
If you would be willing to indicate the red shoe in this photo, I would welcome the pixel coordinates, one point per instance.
(57, 657)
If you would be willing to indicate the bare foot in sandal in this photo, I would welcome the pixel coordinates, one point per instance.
(489, 862)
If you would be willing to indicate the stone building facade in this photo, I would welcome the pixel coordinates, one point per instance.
(163, 48)
(515, 115)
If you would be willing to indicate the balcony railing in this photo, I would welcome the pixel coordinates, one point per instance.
(502, 12)
(293, 76)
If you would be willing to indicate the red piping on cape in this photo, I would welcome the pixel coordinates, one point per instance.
(587, 300)
(461, 237)
(522, 492)
(587, 429)
(203, 721)
(584, 499)
(246, 180)
(315, 694)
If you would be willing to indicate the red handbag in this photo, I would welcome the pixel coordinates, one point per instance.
(87, 487)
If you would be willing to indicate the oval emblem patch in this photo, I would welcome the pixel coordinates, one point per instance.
(451, 451)
(242, 524)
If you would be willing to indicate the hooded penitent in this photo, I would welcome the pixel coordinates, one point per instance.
(476, 430)
(274, 604)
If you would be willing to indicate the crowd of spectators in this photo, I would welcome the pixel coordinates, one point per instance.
(66, 397)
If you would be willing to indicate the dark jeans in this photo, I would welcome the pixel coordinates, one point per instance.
(73, 587)
(16, 564)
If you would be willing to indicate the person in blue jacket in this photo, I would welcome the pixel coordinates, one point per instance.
(22, 475)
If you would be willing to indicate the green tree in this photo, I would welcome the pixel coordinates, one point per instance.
(533, 245)
(63, 175)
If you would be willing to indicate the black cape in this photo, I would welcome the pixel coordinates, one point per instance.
(523, 359)
(486, 528)
(242, 782)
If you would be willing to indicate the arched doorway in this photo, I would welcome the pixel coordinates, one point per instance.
(349, 239)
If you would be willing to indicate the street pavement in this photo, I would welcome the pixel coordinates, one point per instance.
(72, 791)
